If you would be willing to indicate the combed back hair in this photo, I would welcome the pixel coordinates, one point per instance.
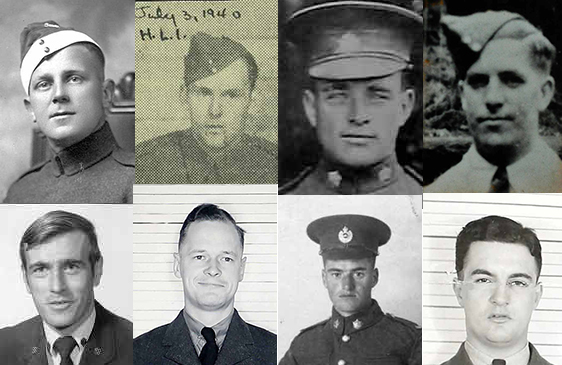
(496, 229)
(542, 51)
(209, 212)
(54, 224)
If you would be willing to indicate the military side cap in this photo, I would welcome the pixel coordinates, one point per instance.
(467, 36)
(39, 40)
(355, 39)
(349, 235)
(208, 55)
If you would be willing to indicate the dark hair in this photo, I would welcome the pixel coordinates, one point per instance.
(56, 223)
(252, 68)
(209, 212)
(498, 229)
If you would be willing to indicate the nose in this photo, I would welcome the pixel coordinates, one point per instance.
(213, 269)
(494, 97)
(358, 111)
(500, 295)
(348, 283)
(60, 93)
(215, 108)
(57, 281)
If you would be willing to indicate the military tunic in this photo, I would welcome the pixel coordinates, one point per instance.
(367, 338)
(388, 178)
(178, 158)
(94, 170)
(461, 357)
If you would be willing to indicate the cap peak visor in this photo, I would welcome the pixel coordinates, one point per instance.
(357, 66)
(46, 46)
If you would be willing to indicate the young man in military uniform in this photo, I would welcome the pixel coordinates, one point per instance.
(358, 332)
(220, 75)
(62, 72)
(358, 57)
(504, 65)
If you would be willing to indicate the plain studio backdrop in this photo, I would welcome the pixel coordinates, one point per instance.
(303, 300)
(114, 230)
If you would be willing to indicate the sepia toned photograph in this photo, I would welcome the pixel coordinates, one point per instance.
(492, 116)
(68, 272)
(207, 92)
(205, 274)
(67, 124)
(492, 279)
(350, 97)
(349, 280)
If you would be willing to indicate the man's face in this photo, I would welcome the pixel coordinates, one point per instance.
(218, 104)
(61, 281)
(357, 121)
(67, 95)
(498, 294)
(211, 265)
(349, 284)
(503, 94)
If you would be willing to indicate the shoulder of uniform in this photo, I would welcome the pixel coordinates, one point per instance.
(34, 168)
(154, 145)
(125, 158)
(262, 144)
(294, 182)
(404, 322)
(413, 174)
(313, 327)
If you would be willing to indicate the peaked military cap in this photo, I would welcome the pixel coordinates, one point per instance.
(208, 55)
(349, 235)
(467, 36)
(42, 39)
(355, 39)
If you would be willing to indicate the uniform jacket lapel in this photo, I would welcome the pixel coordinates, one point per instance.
(461, 358)
(238, 343)
(34, 352)
(100, 348)
(178, 342)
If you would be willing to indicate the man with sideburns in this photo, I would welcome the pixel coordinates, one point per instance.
(219, 79)
(498, 264)
(62, 72)
(503, 64)
(358, 332)
(209, 329)
(358, 94)
(61, 264)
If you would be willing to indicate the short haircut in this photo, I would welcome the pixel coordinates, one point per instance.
(209, 212)
(56, 223)
(252, 68)
(496, 229)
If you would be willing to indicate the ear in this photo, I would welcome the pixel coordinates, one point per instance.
(375, 277)
(177, 271)
(24, 276)
(108, 92)
(538, 294)
(546, 94)
(407, 102)
(242, 269)
(29, 109)
(457, 288)
(324, 278)
(461, 94)
(98, 271)
(308, 102)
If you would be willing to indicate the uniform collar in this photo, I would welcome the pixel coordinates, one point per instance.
(195, 327)
(356, 322)
(478, 357)
(359, 181)
(85, 153)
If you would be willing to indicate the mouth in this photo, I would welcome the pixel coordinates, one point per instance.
(499, 318)
(347, 295)
(358, 138)
(210, 284)
(60, 304)
(495, 120)
(61, 114)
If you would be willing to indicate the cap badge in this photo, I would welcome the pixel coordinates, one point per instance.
(336, 323)
(50, 25)
(334, 179)
(98, 351)
(357, 324)
(345, 235)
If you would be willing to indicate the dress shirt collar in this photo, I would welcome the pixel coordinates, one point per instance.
(81, 333)
(85, 153)
(521, 357)
(195, 327)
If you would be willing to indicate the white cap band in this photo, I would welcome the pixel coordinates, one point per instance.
(45, 46)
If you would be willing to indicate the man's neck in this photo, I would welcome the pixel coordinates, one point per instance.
(57, 146)
(209, 317)
(505, 155)
(496, 352)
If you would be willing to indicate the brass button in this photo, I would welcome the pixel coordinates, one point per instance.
(345, 338)
(341, 362)
(47, 49)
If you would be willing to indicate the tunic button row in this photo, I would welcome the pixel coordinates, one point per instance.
(341, 362)
(345, 338)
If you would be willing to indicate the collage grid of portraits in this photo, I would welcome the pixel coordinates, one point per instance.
(282, 289)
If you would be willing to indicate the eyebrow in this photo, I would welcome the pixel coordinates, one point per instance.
(512, 276)
(61, 262)
(481, 272)
(352, 270)
(521, 275)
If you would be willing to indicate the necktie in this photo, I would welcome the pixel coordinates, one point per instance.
(500, 182)
(210, 351)
(64, 346)
(498, 362)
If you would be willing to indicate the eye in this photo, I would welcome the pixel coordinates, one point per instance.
(336, 275)
(39, 270)
(483, 281)
(72, 268)
(228, 259)
(360, 274)
(512, 80)
(477, 81)
(518, 283)
(75, 79)
(42, 85)
(232, 94)
(199, 257)
(375, 93)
